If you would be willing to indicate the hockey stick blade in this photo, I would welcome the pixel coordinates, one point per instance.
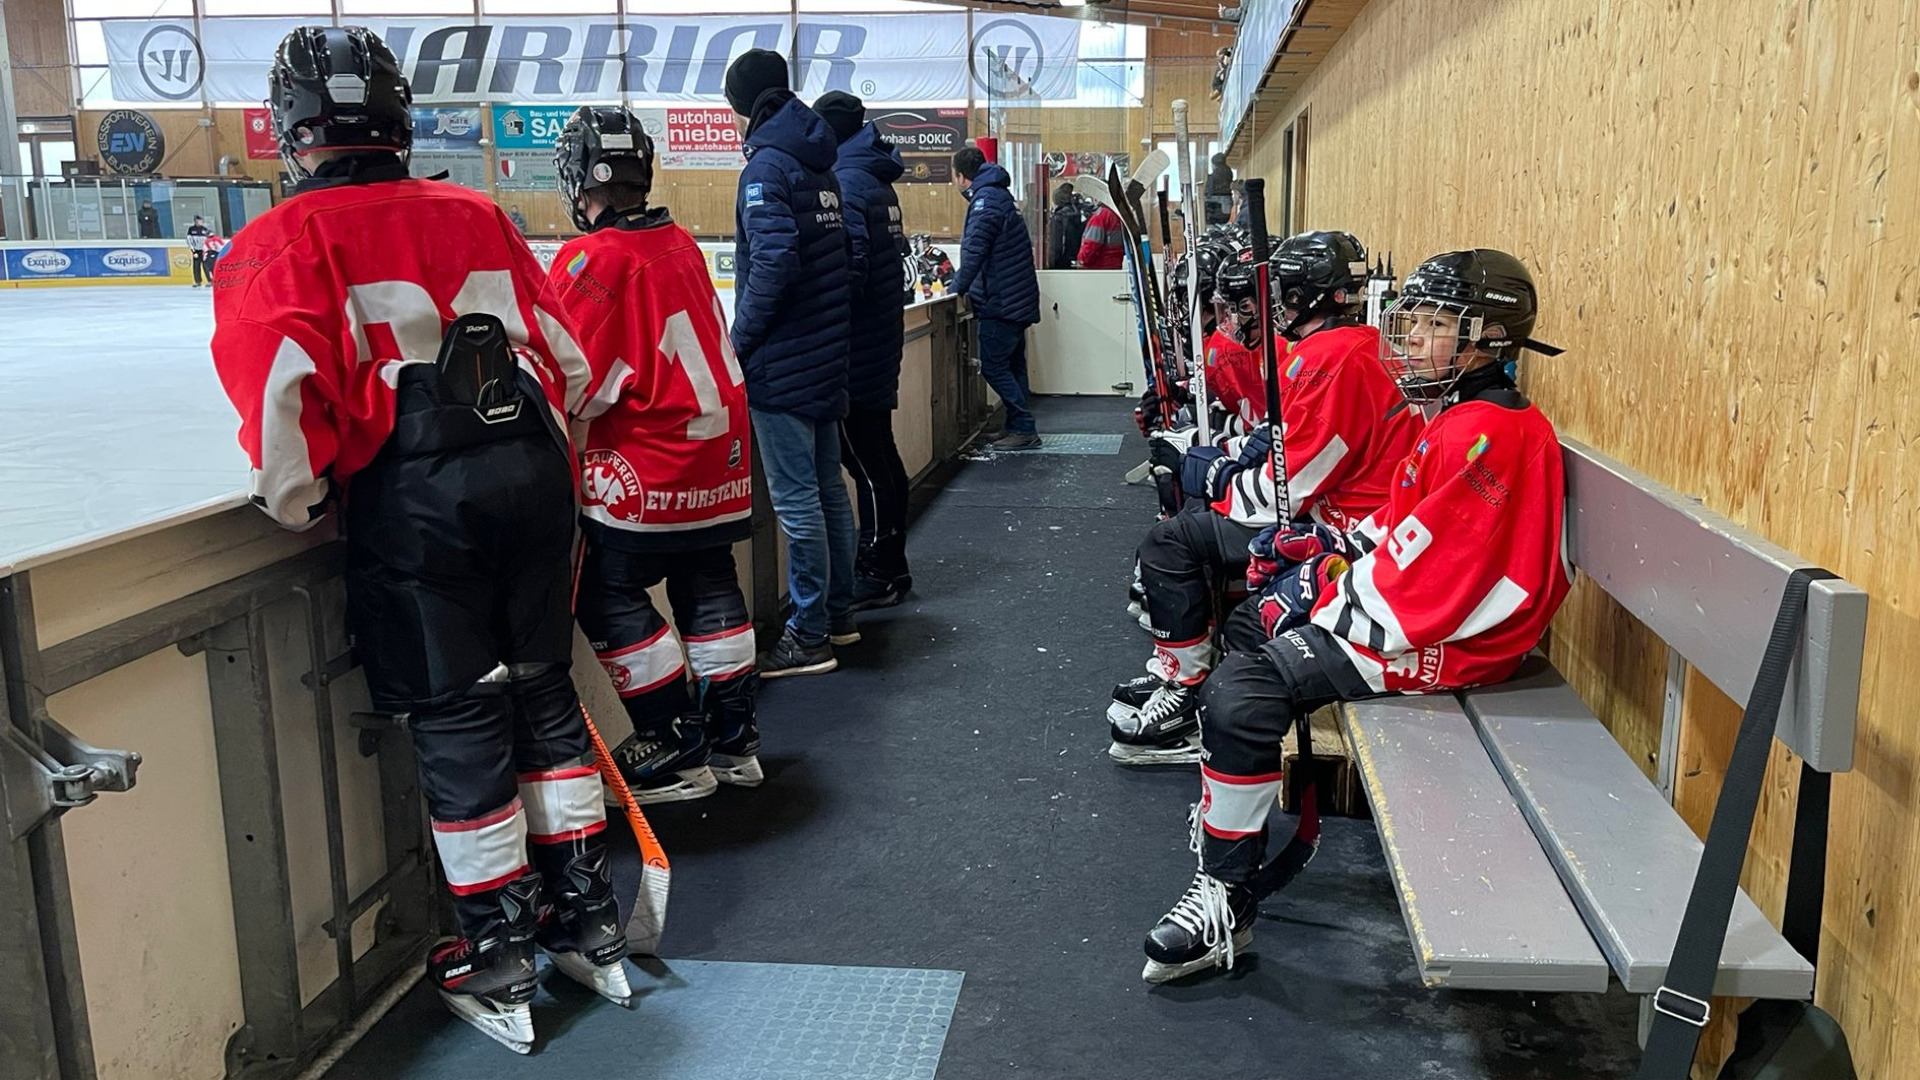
(649, 918)
(1147, 173)
(1092, 187)
(1139, 473)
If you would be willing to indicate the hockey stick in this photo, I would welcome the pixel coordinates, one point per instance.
(1263, 289)
(1173, 342)
(649, 918)
(1140, 278)
(1196, 323)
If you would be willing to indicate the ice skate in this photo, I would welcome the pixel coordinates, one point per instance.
(1211, 924)
(1162, 730)
(666, 766)
(489, 982)
(736, 760)
(580, 931)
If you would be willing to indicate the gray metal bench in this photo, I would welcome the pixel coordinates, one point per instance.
(1480, 907)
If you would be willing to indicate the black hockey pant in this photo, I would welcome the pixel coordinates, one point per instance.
(1183, 560)
(203, 267)
(1250, 703)
(642, 654)
(459, 559)
(868, 451)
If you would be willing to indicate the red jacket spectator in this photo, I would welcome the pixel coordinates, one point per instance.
(1103, 244)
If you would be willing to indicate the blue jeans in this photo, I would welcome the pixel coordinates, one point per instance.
(1003, 361)
(802, 460)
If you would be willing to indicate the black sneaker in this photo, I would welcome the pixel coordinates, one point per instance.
(1164, 730)
(872, 592)
(1210, 925)
(789, 657)
(1016, 440)
(844, 631)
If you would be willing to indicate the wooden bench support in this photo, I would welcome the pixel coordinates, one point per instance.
(1483, 905)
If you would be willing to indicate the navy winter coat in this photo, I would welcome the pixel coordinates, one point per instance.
(790, 259)
(996, 254)
(867, 168)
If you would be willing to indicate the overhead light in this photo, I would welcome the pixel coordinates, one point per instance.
(1073, 3)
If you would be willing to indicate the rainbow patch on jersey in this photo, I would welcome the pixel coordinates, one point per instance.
(1293, 369)
(577, 264)
(1479, 447)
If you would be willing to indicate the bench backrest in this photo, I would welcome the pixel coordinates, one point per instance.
(1710, 589)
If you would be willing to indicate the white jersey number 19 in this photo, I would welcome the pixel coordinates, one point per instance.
(681, 344)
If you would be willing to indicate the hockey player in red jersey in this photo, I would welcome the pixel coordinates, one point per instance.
(666, 468)
(420, 380)
(1449, 585)
(1345, 429)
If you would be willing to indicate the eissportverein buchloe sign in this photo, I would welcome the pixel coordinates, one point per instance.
(597, 58)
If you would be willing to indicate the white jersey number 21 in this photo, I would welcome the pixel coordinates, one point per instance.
(681, 344)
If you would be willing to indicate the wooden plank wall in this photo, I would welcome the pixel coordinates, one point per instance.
(37, 48)
(1717, 199)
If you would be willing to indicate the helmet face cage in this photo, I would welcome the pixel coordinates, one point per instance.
(1424, 341)
(601, 146)
(337, 88)
(1236, 303)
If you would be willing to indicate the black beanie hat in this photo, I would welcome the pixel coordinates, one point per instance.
(754, 73)
(843, 112)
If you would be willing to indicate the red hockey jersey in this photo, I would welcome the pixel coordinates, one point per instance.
(1345, 428)
(668, 454)
(320, 300)
(1470, 566)
(1235, 381)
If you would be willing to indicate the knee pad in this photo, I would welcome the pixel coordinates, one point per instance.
(725, 656)
(483, 852)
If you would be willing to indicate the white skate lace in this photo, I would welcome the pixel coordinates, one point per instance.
(1206, 911)
(1165, 703)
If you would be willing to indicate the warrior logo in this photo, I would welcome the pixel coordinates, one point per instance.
(607, 481)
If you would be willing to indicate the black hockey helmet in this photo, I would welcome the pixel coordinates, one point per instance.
(602, 145)
(1461, 301)
(1211, 256)
(1317, 274)
(1236, 297)
(337, 88)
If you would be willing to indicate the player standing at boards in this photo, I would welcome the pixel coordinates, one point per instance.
(666, 470)
(423, 378)
(1448, 586)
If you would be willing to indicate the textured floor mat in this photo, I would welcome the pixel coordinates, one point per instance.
(691, 1020)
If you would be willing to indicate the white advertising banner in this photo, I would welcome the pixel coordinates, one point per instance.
(915, 57)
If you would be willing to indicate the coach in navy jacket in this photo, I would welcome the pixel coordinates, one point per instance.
(867, 168)
(996, 275)
(790, 333)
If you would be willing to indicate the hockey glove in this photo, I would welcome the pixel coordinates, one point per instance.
(1274, 548)
(1199, 470)
(1166, 449)
(1288, 602)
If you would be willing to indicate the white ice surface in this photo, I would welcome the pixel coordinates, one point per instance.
(110, 414)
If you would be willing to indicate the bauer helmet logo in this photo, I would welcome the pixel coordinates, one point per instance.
(1502, 298)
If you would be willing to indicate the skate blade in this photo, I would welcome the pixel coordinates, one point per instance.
(609, 982)
(509, 1025)
(1187, 753)
(695, 783)
(740, 772)
(1157, 972)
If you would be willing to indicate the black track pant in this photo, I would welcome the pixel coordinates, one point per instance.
(202, 267)
(459, 559)
(642, 654)
(1251, 701)
(1182, 561)
(868, 451)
